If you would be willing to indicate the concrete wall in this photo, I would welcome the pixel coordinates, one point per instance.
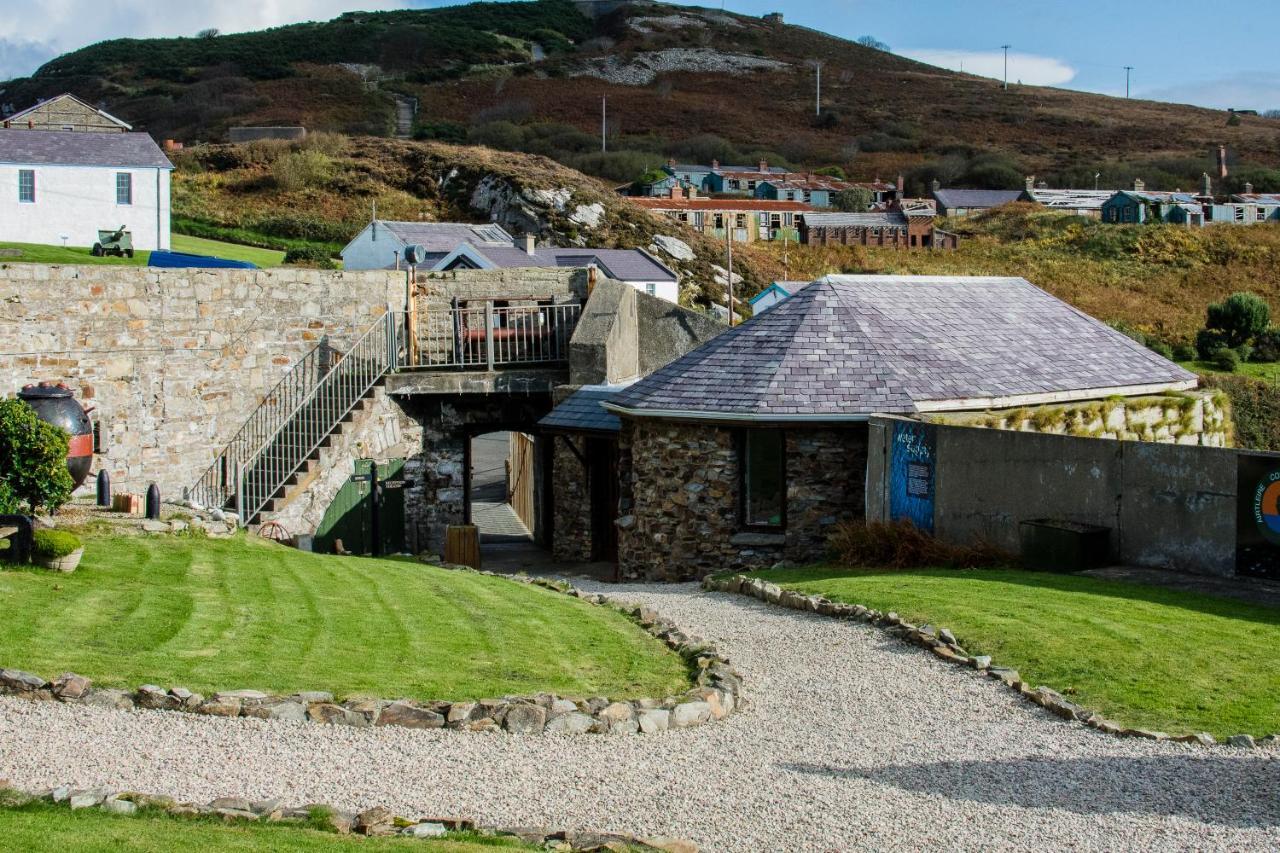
(173, 360)
(76, 201)
(1168, 506)
(255, 134)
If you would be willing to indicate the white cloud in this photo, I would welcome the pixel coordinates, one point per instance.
(1025, 67)
(1256, 90)
(64, 25)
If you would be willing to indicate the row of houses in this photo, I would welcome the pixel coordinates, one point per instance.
(760, 181)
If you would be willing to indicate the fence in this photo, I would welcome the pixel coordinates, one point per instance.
(494, 335)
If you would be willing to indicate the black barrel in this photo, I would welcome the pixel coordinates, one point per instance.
(56, 404)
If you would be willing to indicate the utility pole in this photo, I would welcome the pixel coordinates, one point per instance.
(817, 106)
(604, 122)
(1005, 48)
(1127, 69)
(728, 242)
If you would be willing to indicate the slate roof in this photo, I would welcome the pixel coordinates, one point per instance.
(582, 411)
(444, 237)
(67, 148)
(885, 219)
(975, 198)
(849, 346)
(619, 264)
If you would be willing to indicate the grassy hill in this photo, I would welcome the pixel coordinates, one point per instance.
(530, 76)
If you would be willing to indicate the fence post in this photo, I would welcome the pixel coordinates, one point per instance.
(240, 497)
(488, 332)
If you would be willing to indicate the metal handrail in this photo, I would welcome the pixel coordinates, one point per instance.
(488, 336)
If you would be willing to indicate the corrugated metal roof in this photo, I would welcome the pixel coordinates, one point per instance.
(1075, 199)
(1256, 198)
(856, 345)
(1159, 196)
(889, 219)
(445, 236)
(735, 204)
(975, 198)
(582, 412)
(68, 148)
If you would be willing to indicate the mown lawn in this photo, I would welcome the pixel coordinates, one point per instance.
(231, 251)
(247, 613)
(43, 826)
(1269, 370)
(1144, 656)
(36, 253)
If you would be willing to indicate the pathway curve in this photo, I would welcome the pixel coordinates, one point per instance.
(852, 740)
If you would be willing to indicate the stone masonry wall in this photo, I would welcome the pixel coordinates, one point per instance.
(174, 360)
(572, 540)
(681, 498)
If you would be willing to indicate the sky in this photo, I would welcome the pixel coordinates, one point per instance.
(1188, 51)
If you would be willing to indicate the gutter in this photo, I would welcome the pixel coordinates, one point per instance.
(735, 417)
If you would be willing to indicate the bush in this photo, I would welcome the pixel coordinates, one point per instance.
(1244, 352)
(1184, 352)
(1209, 341)
(1266, 346)
(831, 172)
(902, 545)
(53, 544)
(310, 256)
(1161, 349)
(9, 503)
(1255, 410)
(1225, 359)
(33, 458)
(301, 169)
(444, 131)
(855, 200)
(1241, 317)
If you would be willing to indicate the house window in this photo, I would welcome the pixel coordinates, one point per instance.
(1260, 214)
(788, 219)
(124, 188)
(740, 220)
(1239, 212)
(651, 288)
(762, 475)
(682, 217)
(698, 220)
(719, 220)
(27, 186)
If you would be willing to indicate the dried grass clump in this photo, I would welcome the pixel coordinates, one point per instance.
(902, 545)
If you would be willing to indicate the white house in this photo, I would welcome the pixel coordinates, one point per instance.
(60, 187)
(450, 245)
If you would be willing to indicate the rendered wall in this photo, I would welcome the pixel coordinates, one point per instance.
(77, 201)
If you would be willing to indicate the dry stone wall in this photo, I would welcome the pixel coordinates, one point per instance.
(681, 498)
(174, 361)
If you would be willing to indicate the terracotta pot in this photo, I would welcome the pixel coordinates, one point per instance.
(67, 563)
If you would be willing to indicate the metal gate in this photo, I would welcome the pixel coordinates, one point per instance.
(349, 517)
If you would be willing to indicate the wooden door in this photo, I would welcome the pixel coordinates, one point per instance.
(520, 479)
(602, 467)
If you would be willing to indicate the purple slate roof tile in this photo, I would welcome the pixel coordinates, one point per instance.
(857, 345)
(68, 148)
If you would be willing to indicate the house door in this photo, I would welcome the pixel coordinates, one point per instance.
(602, 462)
(350, 515)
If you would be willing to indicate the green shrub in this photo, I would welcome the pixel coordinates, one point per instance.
(33, 458)
(855, 200)
(1241, 317)
(832, 172)
(1160, 348)
(1266, 346)
(301, 169)
(310, 256)
(1255, 410)
(1244, 352)
(1185, 352)
(1209, 341)
(54, 543)
(9, 503)
(1225, 359)
(444, 131)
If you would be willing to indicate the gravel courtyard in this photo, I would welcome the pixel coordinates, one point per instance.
(852, 740)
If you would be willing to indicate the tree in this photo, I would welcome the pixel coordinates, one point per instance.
(831, 172)
(210, 33)
(33, 459)
(873, 43)
(855, 200)
(1240, 318)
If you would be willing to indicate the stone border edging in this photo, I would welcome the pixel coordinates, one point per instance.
(943, 644)
(717, 692)
(375, 821)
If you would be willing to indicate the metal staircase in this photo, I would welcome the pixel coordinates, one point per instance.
(279, 440)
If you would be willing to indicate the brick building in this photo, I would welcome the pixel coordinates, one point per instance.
(896, 229)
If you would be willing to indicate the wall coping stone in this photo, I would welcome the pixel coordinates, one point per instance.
(942, 644)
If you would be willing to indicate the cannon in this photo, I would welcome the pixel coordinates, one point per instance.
(118, 243)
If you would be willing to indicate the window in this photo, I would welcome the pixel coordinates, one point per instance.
(740, 220)
(762, 475)
(719, 220)
(124, 188)
(698, 220)
(651, 288)
(1260, 214)
(27, 185)
(1239, 212)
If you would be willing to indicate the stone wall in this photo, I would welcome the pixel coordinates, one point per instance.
(572, 503)
(681, 498)
(174, 361)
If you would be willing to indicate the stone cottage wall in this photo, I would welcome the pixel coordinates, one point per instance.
(681, 498)
(174, 360)
(572, 508)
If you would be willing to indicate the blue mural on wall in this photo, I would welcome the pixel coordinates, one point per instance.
(912, 473)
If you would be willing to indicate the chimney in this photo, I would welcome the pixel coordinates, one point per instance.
(671, 161)
(1044, 185)
(936, 185)
(1139, 185)
(1206, 185)
(530, 244)
(764, 165)
(1031, 182)
(677, 191)
(900, 190)
(715, 164)
(1248, 188)
(1222, 162)
(693, 192)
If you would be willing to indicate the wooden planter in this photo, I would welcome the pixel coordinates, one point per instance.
(67, 563)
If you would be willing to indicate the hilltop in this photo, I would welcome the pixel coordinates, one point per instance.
(681, 81)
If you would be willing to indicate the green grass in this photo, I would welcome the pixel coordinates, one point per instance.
(1144, 656)
(35, 253)
(248, 613)
(231, 251)
(44, 826)
(1268, 370)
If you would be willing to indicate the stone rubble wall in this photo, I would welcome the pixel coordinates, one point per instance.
(717, 692)
(681, 498)
(174, 361)
(572, 505)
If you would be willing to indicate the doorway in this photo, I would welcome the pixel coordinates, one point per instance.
(502, 498)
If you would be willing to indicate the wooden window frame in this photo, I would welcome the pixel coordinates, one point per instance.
(740, 442)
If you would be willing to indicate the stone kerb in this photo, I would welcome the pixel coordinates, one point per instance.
(716, 694)
(942, 643)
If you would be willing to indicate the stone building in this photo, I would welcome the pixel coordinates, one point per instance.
(68, 113)
(895, 229)
(751, 448)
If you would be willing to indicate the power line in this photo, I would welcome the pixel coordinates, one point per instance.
(1127, 69)
(1005, 48)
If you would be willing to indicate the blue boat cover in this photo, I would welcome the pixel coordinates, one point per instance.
(181, 260)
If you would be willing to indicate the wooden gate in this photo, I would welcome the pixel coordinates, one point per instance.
(350, 515)
(520, 482)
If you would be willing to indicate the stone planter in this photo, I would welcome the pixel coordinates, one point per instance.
(66, 563)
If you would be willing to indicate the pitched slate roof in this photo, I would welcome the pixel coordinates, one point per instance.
(444, 237)
(619, 264)
(582, 411)
(849, 346)
(975, 198)
(67, 148)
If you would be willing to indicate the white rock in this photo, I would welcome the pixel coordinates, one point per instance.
(678, 249)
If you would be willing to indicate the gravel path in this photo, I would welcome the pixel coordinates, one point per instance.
(852, 740)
